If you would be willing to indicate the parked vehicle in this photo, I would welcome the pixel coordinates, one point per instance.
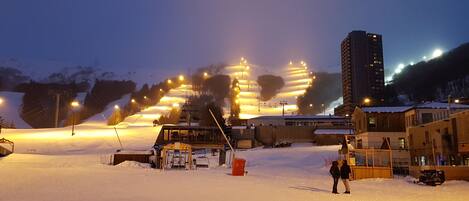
(432, 177)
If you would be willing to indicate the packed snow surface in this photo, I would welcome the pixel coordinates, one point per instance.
(296, 173)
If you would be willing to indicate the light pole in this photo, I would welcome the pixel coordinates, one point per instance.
(283, 103)
(1, 103)
(75, 105)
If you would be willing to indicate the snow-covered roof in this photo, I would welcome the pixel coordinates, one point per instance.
(333, 131)
(287, 117)
(386, 109)
(439, 105)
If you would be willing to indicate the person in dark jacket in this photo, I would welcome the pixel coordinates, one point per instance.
(335, 172)
(345, 175)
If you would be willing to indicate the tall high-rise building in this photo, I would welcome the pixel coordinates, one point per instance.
(362, 71)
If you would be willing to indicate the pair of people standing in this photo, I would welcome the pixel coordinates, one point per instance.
(343, 173)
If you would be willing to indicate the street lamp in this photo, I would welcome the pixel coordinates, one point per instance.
(367, 101)
(205, 74)
(181, 77)
(75, 105)
(455, 101)
(1, 101)
(169, 81)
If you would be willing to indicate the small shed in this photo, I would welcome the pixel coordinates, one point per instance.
(323, 136)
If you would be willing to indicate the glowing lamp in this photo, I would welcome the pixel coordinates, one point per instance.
(75, 104)
(116, 107)
(367, 100)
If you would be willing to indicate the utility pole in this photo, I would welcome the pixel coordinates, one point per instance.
(57, 106)
(449, 105)
(283, 103)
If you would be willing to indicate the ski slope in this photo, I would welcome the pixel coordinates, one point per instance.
(136, 132)
(295, 76)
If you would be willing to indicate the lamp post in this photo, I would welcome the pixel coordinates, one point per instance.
(75, 105)
(1, 103)
(367, 101)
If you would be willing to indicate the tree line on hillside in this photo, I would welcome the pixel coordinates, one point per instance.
(325, 88)
(434, 79)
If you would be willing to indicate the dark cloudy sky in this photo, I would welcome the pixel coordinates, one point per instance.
(165, 37)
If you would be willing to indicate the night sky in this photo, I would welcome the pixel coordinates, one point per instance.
(161, 38)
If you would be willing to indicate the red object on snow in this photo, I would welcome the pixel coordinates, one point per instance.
(238, 167)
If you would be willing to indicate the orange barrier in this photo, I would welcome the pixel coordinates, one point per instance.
(238, 167)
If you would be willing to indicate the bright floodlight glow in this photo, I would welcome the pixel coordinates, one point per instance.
(169, 81)
(389, 79)
(291, 63)
(75, 104)
(116, 107)
(456, 101)
(411, 63)
(205, 74)
(424, 57)
(1, 101)
(175, 104)
(366, 100)
(133, 100)
(181, 78)
(437, 53)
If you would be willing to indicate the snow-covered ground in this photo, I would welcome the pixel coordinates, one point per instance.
(296, 173)
(51, 164)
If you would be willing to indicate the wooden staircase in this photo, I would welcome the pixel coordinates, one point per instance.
(7, 147)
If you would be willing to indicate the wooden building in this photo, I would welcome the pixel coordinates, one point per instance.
(199, 137)
(383, 128)
(442, 145)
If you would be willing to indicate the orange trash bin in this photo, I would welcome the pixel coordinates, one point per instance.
(238, 167)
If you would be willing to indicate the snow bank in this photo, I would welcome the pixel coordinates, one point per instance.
(133, 164)
(283, 174)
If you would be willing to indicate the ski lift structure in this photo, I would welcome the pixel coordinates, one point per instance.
(7, 147)
(177, 155)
